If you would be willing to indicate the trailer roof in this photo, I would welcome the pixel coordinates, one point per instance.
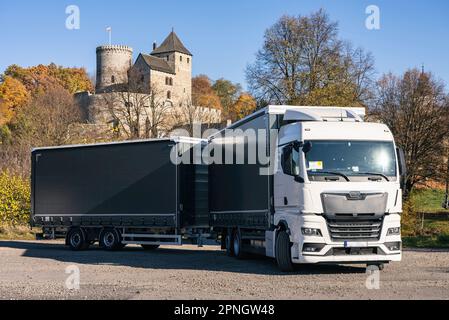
(173, 139)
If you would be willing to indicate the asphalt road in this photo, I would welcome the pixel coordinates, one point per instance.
(37, 270)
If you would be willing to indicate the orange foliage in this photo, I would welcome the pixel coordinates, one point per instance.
(202, 93)
(39, 78)
(13, 95)
(244, 106)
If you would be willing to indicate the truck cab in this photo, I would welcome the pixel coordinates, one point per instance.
(337, 190)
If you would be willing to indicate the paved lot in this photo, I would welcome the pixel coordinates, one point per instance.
(36, 270)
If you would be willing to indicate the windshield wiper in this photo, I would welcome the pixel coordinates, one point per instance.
(374, 174)
(334, 174)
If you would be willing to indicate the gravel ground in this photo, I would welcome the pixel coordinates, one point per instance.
(36, 270)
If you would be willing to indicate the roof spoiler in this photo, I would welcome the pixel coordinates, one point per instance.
(302, 114)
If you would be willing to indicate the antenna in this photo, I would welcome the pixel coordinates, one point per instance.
(422, 68)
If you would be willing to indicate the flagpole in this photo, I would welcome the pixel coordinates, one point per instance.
(109, 30)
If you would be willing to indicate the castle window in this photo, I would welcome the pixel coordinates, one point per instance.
(168, 94)
(168, 58)
(113, 79)
(180, 58)
(188, 60)
(171, 81)
(166, 81)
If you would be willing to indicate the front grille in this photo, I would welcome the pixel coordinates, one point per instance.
(350, 230)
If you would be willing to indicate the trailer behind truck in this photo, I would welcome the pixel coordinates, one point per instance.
(120, 193)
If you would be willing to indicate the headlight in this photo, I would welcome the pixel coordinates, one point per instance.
(311, 232)
(394, 231)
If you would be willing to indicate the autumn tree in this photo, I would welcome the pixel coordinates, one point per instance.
(38, 78)
(13, 95)
(244, 106)
(303, 62)
(46, 120)
(416, 109)
(202, 93)
(228, 92)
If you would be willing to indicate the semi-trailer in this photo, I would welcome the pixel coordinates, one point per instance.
(303, 185)
(120, 193)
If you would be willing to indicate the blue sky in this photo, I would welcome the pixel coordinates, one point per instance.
(223, 35)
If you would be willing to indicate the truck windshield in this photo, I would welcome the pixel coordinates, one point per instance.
(352, 158)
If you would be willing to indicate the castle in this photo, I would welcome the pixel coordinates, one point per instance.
(168, 67)
(166, 71)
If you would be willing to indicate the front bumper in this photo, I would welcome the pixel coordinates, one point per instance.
(343, 251)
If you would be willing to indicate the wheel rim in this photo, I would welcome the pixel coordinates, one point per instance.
(75, 240)
(236, 244)
(109, 239)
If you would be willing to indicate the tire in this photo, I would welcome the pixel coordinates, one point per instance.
(110, 239)
(76, 239)
(150, 247)
(283, 252)
(237, 245)
(229, 246)
(379, 266)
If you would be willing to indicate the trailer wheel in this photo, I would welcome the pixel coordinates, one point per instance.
(149, 247)
(237, 244)
(76, 239)
(229, 244)
(283, 252)
(110, 239)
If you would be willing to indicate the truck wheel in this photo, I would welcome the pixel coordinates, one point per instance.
(379, 266)
(76, 239)
(149, 247)
(283, 252)
(110, 239)
(229, 245)
(237, 244)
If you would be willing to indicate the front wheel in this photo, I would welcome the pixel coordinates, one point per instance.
(283, 252)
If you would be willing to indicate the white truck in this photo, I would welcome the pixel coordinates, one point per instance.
(334, 197)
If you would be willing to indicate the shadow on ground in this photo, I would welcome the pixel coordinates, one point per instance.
(170, 258)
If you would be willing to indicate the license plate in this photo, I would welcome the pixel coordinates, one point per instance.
(351, 244)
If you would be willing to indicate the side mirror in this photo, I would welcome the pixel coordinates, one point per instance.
(402, 166)
(290, 162)
(307, 147)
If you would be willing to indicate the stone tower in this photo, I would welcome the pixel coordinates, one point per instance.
(180, 60)
(113, 64)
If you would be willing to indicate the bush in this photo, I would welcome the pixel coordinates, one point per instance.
(14, 200)
(410, 222)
